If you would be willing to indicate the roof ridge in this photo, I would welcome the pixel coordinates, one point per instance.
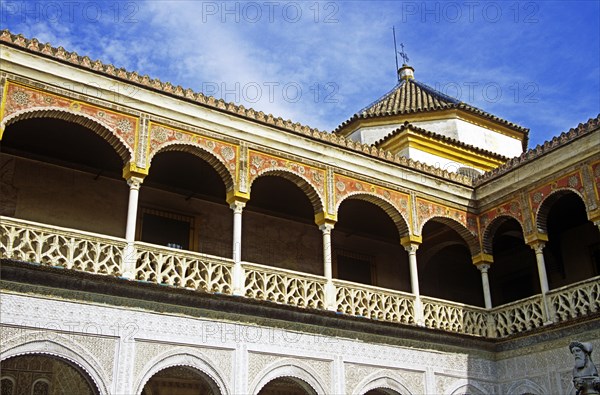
(60, 54)
(546, 147)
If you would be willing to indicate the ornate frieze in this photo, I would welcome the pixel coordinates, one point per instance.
(260, 163)
(427, 210)
(21, 99)
(346, 186)
(161, 136)
(570, 181)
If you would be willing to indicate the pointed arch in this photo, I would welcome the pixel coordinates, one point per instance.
(121, 147)
(525, 387)
(464, 386)
(465, 234)
(301, 181)
(183, 357)
(61, 347)
(306, 376)
(541, 216)
(390, 209)
(201, 152)
(381, 381)
(490, 230)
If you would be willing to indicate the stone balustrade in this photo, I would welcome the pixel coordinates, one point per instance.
(454, 317)
(374, 302)
(36, 243)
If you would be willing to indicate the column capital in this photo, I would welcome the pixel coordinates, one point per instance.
(536, 238)
(482, 259)
(130, 170)
(324, 218)
(483, 267)
(135, 182)
(411, 242)
(326, 228)
(237, 197)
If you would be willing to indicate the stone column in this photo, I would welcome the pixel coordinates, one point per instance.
(487, 296)
(538, 247)
(330, 292)
(129, 258)
(411, 245)
(238, 275)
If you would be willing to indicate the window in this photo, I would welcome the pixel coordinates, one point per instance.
(166, 229)
(355, 267)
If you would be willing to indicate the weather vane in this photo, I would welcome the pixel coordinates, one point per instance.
(403, 54)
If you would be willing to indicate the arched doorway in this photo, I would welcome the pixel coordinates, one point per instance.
(572, 252)
(279, 225)
(44, 375)
(66, 174)
(182, 203)
(180, 380)
(287, 386)
(446, 269)
(513, 275)
(382, 391)
(366, 247)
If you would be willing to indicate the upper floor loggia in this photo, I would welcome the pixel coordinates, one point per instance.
(164, 197)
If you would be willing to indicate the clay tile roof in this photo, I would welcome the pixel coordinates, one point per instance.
(408, 96)
(408, 126)
(540, 150)
(411, 96)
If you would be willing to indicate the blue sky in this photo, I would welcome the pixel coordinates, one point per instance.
(535, 63)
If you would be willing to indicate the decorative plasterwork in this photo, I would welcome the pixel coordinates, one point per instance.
(596, 177)
(152, 357)
(571, 181)
(511, 209)
(21, 102)
(345, 187)
(427, 210)
(260, 163)
(360, 379)
(162, 138)
(51, 343)
(263, 368)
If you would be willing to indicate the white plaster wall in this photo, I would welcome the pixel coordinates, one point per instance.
(457, 129)
(436, 161)
(372, 134)
(475, 135)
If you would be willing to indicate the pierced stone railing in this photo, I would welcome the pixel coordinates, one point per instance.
(518, 316)
(43, 244)
(454, 317)
(576, 300)
(375, 303)
(284, 286)
(170, 266)
(56, 246)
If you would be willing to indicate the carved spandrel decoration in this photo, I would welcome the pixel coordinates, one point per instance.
(596, 177)
(570, 181)
(427, 210)
(585, 374)
(261, 163)
(512, 209)
(161, 136)
(20, 98)
(347, 186)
